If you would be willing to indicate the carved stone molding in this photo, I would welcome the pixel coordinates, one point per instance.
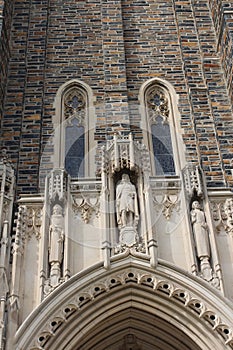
(57, 185)
(228, 208)
(222, 213)
(123, 153)
(86, 198)
(134, 249)
(167, 203)
(33, 221)
(158, 286)
(86, 206)
(166, 195)
(218, 214)
(193, 180)
(157, 104)
(28, 222)
(75, 105)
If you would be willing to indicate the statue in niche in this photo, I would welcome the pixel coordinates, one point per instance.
(127, 210)
(126, 201)
(56, 243)
(201, 238)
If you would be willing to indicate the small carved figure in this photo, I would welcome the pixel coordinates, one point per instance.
(200, 230)
(201, 237)
(126, 203)
(56, 239)
(229, 215)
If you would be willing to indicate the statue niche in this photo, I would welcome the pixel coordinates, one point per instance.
(127, 211)
(56, 244)
(201, 237)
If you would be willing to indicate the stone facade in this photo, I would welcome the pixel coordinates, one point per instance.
(77, 256)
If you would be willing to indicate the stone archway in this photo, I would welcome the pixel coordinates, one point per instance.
(98, 309)
(135, 329)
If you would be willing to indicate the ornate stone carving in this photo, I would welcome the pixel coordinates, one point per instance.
(218, 214)
(20, 230)
(222, 212)
(29, 221)
(170, 290)
(57, 185)
(75, 105)
(157, 104)
(166, 202)
(193, 180)
(86, 206)
(33, 221)
(228, 207)
(123, 153)
(86, 198)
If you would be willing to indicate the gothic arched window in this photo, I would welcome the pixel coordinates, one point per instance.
(158, 112)
(74, 124)
(158, 100)
(74, 129)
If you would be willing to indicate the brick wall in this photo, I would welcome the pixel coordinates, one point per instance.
(222, 12)
(115, 46)
(5, 31)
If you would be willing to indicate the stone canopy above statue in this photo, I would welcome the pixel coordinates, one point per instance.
(124, 153)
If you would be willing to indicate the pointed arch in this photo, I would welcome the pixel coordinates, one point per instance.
(160, 125)
(99, 306)
(74, 124)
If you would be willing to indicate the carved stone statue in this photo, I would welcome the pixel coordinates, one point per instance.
(201, 237)
(127, 211)
(56, 243)
(126, 203)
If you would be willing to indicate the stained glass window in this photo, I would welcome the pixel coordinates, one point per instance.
(75, 115)
(162, 148)
(75, 148)
(158, 113)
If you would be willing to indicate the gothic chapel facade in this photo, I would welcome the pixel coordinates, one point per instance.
(116, 169)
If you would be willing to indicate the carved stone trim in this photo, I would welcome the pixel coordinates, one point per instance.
(33, 221)
(75, 106)
(167, 203)
(148, 280)
(86, 198)
(123, 153)
(29, 221)
(228, 208)
(57, 184)
(86, 206)
(219, 215)
(193, 180)
(157, 104)
(222, 213)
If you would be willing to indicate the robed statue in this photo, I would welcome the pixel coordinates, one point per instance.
(126, 204)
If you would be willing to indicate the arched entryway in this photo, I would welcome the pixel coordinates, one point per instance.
(135, 329)
(130, 307)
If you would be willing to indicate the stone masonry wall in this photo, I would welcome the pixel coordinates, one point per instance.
(175, 40)
(115, 46)
(5, 30)
(222, 12)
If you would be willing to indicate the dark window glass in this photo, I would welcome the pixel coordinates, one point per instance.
(75, 147)
(162, 147)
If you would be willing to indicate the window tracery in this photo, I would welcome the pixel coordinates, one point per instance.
(75, 122)
(161, 146)
(74, 126)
